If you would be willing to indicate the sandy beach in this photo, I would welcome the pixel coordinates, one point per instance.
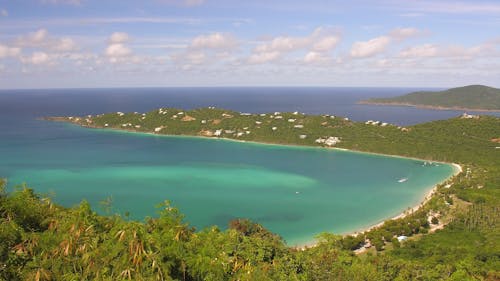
(428, 196)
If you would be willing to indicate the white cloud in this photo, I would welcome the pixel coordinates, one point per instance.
(117, 50)
(451, 51)
(195, 58)
(316, 57)
(42, 40)
(282, 44)
(6, 51)
(370, 48)
(375, 46)
(36, 58)
(214, 41)
(206, 49)
(326, 44)
(119, 37)
(65, 44)
(403, 33)
(321, 40)
(263, 57)
(37, 36)
(4, 13)
(426, 50)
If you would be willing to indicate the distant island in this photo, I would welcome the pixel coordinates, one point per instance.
(473, 97)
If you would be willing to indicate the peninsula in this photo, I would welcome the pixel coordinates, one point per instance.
(436, 141)
(471, 98)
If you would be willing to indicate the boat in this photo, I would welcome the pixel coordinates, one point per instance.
(403, 180)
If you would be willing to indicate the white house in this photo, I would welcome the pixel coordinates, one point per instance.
(402, 238)
(332, 141)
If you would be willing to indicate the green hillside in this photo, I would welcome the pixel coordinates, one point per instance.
(469, 97)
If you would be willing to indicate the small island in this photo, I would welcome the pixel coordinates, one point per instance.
(470, 98)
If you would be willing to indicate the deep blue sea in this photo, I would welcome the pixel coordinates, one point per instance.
(294, 191)
(22, 104)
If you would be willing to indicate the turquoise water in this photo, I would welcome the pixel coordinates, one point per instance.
(296, 192)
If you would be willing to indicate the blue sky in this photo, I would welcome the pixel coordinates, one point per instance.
(108, 43)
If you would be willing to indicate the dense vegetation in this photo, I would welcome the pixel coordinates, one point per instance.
(43, 241)
(468, 97)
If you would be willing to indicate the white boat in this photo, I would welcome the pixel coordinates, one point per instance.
(403, 180)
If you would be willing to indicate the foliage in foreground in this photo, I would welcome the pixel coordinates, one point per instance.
(42, 241)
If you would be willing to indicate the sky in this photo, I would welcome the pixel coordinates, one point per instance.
(197, 43)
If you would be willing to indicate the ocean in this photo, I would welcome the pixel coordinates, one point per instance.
(297, 192)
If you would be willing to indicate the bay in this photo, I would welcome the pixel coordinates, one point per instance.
(296, 192)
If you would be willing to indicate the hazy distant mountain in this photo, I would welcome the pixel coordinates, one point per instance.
(477, 97)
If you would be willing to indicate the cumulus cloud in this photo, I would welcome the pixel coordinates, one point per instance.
(36, 58)
(320, 41)
(65, 45)
(450, 51)
(282, 44)
(34, 38)
(263, 57)
(206, 49)
(377, 45)
(6, 51)
(4, 13)
(403, 33)
(214, 41)
(196, 58)
(316, 58)
(426, 50)
(42, 40)
(326, 44)
(119, 37)
(117, 50)
(370, 48)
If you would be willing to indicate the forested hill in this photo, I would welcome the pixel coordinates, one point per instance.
(474, 97)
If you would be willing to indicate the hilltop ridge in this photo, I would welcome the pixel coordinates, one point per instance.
(472, 97)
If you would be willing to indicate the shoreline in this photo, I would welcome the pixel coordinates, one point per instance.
(131, 131)
(432, 107)
(426, 197)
